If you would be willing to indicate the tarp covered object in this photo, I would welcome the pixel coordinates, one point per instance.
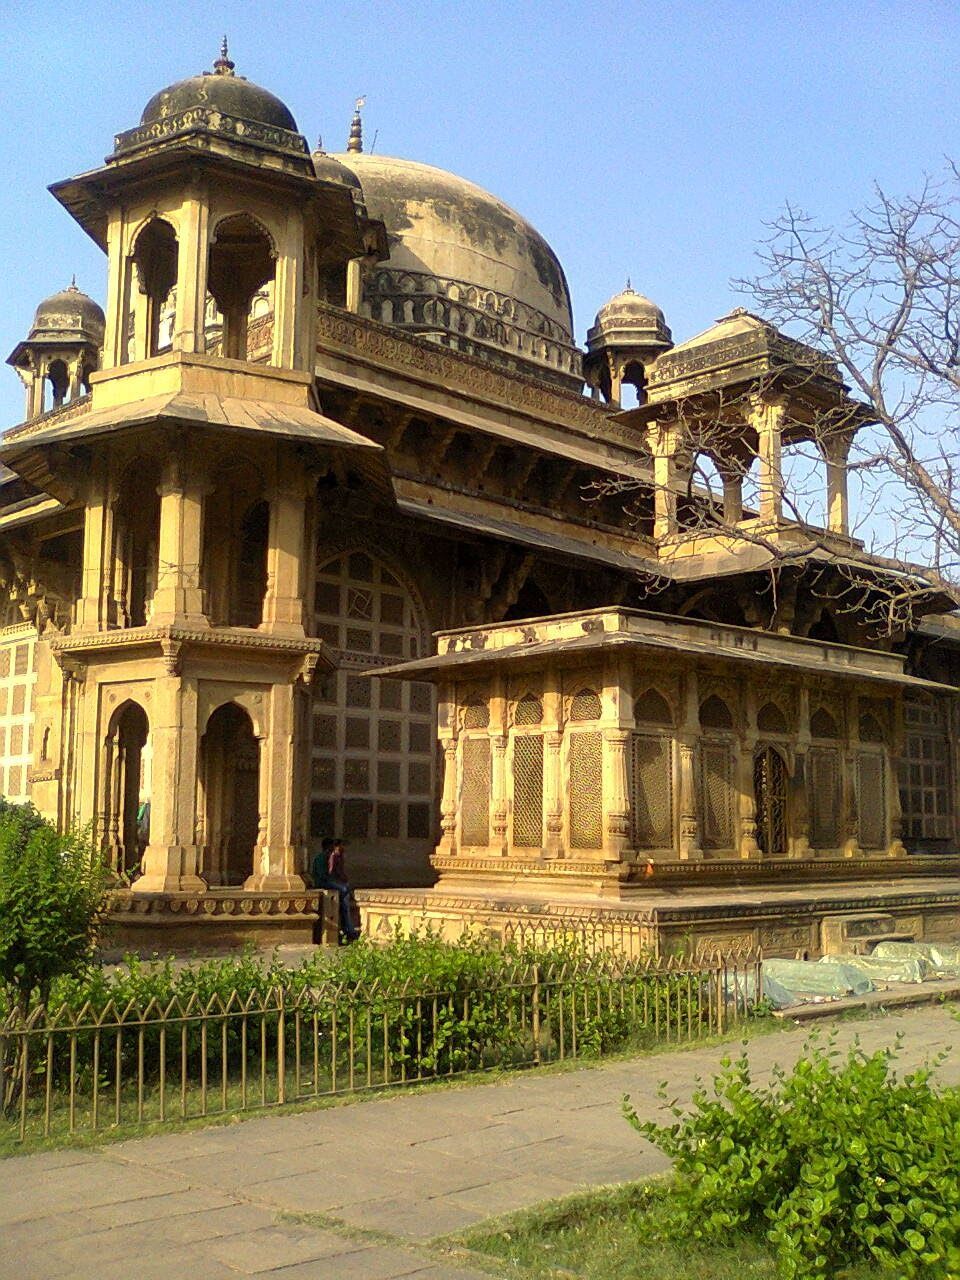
(887, 969)
(808, 980)
(942, 957)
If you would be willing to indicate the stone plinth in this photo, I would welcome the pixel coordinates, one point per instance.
(218, 918)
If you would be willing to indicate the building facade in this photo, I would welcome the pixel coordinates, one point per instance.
(334, 405)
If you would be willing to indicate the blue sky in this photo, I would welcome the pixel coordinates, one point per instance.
(649, 140)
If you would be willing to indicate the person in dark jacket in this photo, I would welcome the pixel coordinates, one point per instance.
(329, 872)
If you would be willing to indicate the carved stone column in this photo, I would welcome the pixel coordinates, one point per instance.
(178, 597)
(448, 803)
(749, 847)
(851, 816)
(896, 847)
(498, 794)
(275, 859)
(690, 849)
(766, 417)
(616, 794)
(171, 862)
(283, 601)
(553, 794)
(836, 450)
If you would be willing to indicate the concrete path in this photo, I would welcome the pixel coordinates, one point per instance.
(386, 1175)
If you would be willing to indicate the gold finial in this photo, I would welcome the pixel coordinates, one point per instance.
(223, 66)
(355, 141)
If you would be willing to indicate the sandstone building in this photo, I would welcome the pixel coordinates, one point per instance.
(333, 406)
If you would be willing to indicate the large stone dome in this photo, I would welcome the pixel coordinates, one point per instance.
(465, 269)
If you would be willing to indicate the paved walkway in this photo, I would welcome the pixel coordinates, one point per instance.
(387, 1174)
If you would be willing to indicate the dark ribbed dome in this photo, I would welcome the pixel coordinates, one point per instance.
(224, 91)
(70, 313)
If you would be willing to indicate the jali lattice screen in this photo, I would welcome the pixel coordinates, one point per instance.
(586, 805)
(652, 791)
(475, 792)
(528, 791)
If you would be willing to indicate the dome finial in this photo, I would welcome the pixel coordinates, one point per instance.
(629, 285)
(73, 283)
(223, 66)
(355, 141)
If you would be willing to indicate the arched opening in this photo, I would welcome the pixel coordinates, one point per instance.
(652, 708)
(155, 259)
(770, 795)
(126, 834)
(136, 541)
(530, 603)
(715, 714)
(770, 719)
(825, 628)
(242, 260)
(59, 379)
(230, 781)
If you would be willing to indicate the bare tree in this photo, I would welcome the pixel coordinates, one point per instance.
(874, 305)
(881, 297)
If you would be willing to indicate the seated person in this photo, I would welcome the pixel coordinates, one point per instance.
(329, 872)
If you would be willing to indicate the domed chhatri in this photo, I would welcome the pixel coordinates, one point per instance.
(629, 317)
(465, 269)
(627, 337)
(223, 90)
(68, 314)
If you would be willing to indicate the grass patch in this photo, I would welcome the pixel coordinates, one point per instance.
(617, 1233)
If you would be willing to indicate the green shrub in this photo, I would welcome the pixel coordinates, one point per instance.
(52, 893)
(834, 1164)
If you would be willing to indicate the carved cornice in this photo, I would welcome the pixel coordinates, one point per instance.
(389, 346)
(170, 640)
(210, 120)
(125, 906)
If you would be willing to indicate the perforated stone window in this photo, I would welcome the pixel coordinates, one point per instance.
(652, 799)
(475, 791)
(528, 790)
(926, 773)
(871, 799)
(718, 796)
(585, 705)
(585, 790)
(529, 710)
(17, 679)
(824, 796)
(373, 740)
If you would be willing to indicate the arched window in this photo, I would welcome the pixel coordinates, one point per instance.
(652, 708)
(374, 741)
(230, 781)
(715, 714)
(529, 710)
(137, 540)
(155, 262)
(770, 719)
(770, 795)
(823, 724)
(871, 729)
(585, 705)
(476, 715)
(241, 261)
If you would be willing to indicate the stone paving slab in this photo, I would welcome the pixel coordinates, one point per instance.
(208, 1205)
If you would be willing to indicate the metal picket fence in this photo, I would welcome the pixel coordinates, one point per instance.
(91, 1069)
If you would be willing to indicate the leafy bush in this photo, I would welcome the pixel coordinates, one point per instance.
(833, 1164)
(52, 891)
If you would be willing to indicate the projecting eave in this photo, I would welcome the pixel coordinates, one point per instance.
(574, 636)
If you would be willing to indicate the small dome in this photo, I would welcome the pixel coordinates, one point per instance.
(222, 89)
(329, 169)
(629, 319)
(71, 314)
